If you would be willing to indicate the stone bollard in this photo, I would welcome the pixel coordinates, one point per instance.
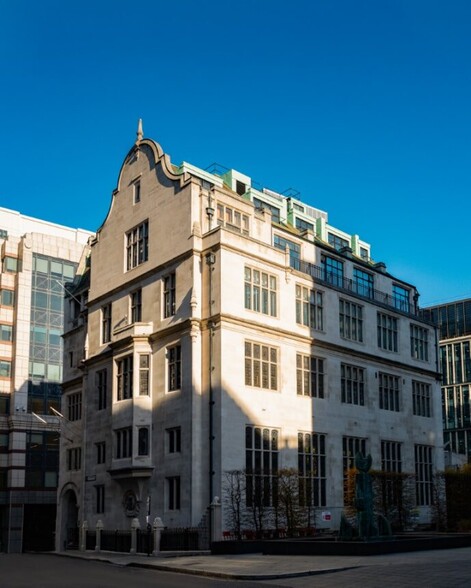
(157, 526)
(83, 536)
(216, 520)
(135, 525)
(98, 530)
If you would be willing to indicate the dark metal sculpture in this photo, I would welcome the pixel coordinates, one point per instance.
(364, 497)
(367, 528)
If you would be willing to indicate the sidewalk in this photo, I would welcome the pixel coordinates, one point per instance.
(260, 567)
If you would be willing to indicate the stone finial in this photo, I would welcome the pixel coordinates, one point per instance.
(158, 524)
(135, 524)
(139, 133)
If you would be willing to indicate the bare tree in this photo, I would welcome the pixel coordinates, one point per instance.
(288, 499)
(233, 497)
(258, 499)
(394, 496)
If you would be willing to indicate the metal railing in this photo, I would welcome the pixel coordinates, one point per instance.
(176, 539)
(350, 286)
(180, 539)
(114, 540)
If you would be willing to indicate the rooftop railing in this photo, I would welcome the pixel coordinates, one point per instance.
(360, 289)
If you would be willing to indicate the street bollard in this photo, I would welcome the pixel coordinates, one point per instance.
(216, 521)
(158, 526)
(98, 530)
(83, 536)
(135, 525)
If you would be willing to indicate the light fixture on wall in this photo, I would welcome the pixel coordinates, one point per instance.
(210, 258)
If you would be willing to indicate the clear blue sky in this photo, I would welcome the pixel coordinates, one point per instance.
(364, 106)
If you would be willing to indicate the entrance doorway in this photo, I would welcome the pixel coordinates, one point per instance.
(39, 525)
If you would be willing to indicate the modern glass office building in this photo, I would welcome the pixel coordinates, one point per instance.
(454, 328)
(37, 259)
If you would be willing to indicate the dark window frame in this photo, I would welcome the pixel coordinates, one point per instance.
(174, 493)
(136, 305)
(137, 245)
(261, 465)
(312, 469)
(310, 375)
(353, 384)
(174, 368)
(261, 365)
(106, 317)
(123, 438)
(309, 307)
(74, 406)
(124, 377)
(101, 382)
(174, 439)
(351, 320)
(169, 298)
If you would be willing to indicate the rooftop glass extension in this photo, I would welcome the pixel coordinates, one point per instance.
(333, 277)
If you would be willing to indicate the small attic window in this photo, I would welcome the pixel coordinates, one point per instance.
(241, 188)
(137, 192)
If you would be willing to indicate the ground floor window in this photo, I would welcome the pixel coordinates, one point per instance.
(312, 469)
(350, 447)
(423, 474)
(391, 482)
(261, 465)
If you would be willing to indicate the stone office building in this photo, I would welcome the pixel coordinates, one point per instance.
(37, 258)
(232, 328)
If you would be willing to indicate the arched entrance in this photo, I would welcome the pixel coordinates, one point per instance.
(69, 526)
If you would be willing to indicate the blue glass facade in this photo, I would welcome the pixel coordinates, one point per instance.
(453, 319)
(47, 321)
(454, 322)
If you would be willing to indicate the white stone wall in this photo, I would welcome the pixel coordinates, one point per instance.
(211, 324)
(290, 413)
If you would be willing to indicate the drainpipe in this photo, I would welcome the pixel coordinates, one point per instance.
(210, 261)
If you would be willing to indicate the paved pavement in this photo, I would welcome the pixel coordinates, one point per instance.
(268, 567)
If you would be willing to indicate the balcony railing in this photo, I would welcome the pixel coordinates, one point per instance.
(350, 286)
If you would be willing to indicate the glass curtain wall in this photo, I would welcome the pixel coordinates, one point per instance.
(47, 322)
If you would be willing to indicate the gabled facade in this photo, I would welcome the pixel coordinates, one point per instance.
(231, 328)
